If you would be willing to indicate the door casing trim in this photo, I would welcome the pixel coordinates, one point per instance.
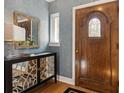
(73, 29)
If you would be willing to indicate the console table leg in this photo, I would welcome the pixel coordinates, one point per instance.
(55, 78)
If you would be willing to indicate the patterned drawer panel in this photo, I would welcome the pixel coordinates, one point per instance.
(24, 75)
(46, 67)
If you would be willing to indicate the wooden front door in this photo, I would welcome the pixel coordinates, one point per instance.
(97, 47)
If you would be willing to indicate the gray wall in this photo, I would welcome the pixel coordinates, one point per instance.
(64, 7)
(35, 8)
(39, 9)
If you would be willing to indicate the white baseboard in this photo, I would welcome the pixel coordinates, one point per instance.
(66, 80)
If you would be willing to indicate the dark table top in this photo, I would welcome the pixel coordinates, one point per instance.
(27, 56)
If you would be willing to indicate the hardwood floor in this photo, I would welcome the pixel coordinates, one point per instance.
(59, 87)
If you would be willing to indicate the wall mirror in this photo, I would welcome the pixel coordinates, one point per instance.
(31, 25)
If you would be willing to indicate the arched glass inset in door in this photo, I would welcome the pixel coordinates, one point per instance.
(94, 27)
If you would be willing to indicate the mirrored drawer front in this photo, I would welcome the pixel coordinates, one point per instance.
(46, 67)
(24, 75)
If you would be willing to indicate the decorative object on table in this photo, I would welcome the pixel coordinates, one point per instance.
(25, 44)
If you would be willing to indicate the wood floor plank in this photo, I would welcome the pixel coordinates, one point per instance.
(59, 87)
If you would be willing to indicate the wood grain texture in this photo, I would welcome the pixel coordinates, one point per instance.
(97, 59)
(59, 87)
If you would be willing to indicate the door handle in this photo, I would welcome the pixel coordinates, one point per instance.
(77, 50)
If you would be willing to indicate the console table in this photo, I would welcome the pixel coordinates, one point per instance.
(25, 72)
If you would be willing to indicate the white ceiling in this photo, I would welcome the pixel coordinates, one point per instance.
(50, 0)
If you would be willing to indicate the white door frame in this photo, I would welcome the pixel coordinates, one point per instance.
(73, 30)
